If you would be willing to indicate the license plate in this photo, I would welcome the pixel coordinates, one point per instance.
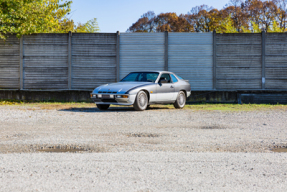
(108, 96)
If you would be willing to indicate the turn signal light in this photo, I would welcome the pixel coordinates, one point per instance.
(122, 96)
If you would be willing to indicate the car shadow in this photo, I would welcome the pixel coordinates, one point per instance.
(110, 110)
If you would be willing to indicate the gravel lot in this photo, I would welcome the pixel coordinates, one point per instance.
(155, 150)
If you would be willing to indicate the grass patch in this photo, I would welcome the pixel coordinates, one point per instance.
(51, 105)
(48, 105)
(225, 107)
(235, 107)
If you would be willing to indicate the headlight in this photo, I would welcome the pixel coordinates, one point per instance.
(99, 95)
(122, 96)
(92, 95)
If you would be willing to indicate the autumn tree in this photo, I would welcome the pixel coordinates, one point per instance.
(281, 16)
(262, 13)
(172, 23)
(203, 18)
(237, 16)
(234, 10)
(145, 23)
(149, 22)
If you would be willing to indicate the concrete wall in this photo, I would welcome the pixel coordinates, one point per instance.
(83, 61)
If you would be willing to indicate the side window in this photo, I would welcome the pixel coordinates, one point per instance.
(174, 79)
(166, 77)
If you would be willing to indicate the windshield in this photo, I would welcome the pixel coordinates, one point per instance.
(141, 76)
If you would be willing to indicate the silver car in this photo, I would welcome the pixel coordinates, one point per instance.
(142, 89)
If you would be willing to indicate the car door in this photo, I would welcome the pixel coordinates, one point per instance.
(165, 91)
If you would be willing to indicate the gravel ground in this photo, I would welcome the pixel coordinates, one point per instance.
(135, 171)
(154, 150)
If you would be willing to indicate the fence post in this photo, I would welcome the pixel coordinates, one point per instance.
(166, 50)
(21, 64)
(70, 60)
(263, 37)
(214, 60)
(118, 57)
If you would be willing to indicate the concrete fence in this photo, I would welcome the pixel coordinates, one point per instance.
(82, 61)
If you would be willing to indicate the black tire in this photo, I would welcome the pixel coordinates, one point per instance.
(141, 101)
(103, 106)
(180, 100)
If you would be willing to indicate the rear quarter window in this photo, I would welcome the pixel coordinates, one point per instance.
(174, 79)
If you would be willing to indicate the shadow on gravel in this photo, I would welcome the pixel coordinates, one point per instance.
(112, 109)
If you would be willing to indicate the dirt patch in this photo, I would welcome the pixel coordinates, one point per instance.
(280, 149)
(51, 148)
(143, 135)
(212, 127)
(192, 126)
(62, 149)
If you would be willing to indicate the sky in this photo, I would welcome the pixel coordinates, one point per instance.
(119, 15)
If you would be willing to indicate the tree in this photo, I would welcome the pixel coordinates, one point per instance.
(243, 16)
(90, 26)
(281, 16)
(236, 13)
(144, 24)
(31, 16)
(201, 19)
(149, 22)
(276, 27)
(172, 23)
(226, 26)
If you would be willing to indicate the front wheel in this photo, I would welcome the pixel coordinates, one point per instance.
(103, 106)
(141, 101)
(180, 100)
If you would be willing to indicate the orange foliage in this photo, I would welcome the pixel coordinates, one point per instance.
(203, 18)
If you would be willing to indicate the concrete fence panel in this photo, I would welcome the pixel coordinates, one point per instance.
(10, 63)
(93, 59)
(238, 61)
(141, 51)
(276, 61)
(45, 62)
(190, 56)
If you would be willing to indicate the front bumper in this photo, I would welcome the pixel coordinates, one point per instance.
(114, 101)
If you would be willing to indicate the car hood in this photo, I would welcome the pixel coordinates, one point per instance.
(119, 88)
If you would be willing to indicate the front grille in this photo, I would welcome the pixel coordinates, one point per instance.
(109, 100)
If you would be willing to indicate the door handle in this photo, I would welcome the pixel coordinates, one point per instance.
(171, 86)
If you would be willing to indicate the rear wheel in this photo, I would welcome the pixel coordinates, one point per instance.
(103, 106)
(141, 101)
(180, 100)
